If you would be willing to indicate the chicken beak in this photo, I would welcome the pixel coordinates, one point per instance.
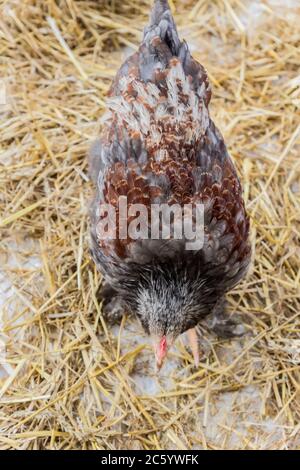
(161, 346)
(193, 340)
(160, 350)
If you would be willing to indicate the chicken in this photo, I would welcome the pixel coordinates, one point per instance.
(159, 146)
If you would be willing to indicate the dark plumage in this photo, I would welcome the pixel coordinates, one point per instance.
(159, 145)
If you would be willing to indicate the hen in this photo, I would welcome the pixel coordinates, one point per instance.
(160, 146)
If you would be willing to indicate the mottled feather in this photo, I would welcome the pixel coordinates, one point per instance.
(159, 145)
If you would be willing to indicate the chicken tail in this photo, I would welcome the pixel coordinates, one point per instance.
(159, 8)
(162, 24)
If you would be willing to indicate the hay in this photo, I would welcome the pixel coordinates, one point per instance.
(69, 380)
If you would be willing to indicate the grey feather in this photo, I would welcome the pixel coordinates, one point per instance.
(162, 24)
(95, 160)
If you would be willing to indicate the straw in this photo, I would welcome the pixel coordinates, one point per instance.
(69, 380)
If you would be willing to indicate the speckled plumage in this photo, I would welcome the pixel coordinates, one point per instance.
(159, 145)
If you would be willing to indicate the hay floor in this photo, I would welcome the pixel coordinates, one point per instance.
(67, 379)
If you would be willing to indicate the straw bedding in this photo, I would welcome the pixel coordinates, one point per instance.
(68, 380)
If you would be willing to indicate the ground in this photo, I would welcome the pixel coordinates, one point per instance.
(67, 379)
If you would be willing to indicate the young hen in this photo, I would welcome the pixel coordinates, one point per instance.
(160, 146)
